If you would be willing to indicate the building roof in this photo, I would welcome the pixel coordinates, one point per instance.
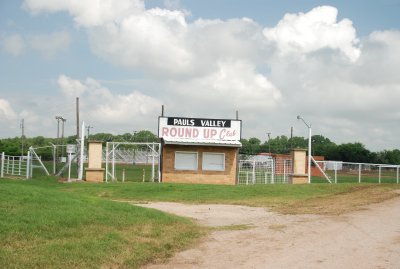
(202, 142)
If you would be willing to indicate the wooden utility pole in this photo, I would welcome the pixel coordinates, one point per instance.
(77, 117)
(77, 135)
(22, 136)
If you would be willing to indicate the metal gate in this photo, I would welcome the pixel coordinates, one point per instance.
(270, 171)
(14, 166)
(130, 161)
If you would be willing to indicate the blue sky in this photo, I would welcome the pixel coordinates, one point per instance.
(333, 62)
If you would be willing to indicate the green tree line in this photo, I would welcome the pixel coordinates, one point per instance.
(14, 146)
(321, 146)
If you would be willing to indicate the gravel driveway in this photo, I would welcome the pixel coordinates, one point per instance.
(364, 239)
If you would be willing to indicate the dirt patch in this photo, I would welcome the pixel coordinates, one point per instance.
(363, 239)
(358, 198)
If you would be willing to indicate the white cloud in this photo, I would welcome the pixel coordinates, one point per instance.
(6, 111)
(14, 44)
(101, 106)
(379, 59)
(314, 30)
(10, 118)
(88, 13)
(157, 40)
(234, 85)
(50, 44)
(71, 87)
(153, 40)
(308, 63)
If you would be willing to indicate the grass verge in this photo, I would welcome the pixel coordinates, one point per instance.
(289, 199)
(45, 224)
(42, 227)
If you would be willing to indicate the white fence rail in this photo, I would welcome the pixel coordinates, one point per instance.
(132, 156)
(347, 172)
(127, 154)
(14, 166)
(269, 171)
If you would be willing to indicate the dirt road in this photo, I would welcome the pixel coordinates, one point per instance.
(365, 239)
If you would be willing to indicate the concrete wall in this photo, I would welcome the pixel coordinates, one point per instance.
(227, 177)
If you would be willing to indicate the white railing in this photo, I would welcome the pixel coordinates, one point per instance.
(268, 171)
(347, 172)
(14, 166)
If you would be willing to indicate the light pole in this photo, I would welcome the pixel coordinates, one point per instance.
(269, 145)
(88, 131)
(309, 147)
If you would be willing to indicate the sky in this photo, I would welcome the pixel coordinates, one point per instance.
(335, 63)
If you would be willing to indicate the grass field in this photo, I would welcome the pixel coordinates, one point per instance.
(46, 224)
(353, 178)
(43, 226)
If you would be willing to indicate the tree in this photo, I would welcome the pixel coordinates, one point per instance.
(387, 157)
(279, 144)
(297, 142)
(251, 146)
(350, 152)
(321, 146)
(145, 136)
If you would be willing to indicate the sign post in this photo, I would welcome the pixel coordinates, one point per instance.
(71, 149)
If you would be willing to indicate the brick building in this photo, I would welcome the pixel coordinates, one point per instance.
(199, 150)
(280, 158)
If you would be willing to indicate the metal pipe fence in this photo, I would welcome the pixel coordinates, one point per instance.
(14, 166)
(347, 172)
(268, 171)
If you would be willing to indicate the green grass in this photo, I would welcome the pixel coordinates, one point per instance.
(133, 172)
(42, 226)
(46, 224)
(255, 195)
(351, 178)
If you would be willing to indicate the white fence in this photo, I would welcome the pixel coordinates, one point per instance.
(123, 158)
(132, 156)
(14, 166)
(267, 171)
(347, 172)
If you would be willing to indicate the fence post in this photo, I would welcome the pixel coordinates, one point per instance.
(273, 163)
(19, 166)
(254, 172)
(152, 163)
(359, 173)
(113, 162)
(335, 172)
(12, 165)
(379, 174)
(28, 165)
(284, 172)
(2, 165)
(397, 175)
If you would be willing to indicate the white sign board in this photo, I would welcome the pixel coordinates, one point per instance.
(71, 148)
(199, 129)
